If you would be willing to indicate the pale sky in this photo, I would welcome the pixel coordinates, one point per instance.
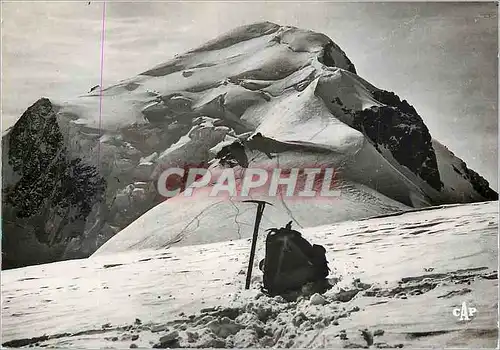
(441, 57)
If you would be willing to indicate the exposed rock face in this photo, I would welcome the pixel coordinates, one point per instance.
(478, 182)
(73, 177)
(328, 60)
(398, 127)
(53, 194)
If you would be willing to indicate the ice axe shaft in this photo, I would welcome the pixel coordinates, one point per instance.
(260, 210)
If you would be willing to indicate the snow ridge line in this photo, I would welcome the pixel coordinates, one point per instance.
(238, 223)
(436, 207)
(178, 237)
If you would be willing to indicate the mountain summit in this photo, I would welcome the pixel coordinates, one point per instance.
(80, 176)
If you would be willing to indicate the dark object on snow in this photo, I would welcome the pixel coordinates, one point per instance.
(95, 87)
(233, 155)
(291, 261)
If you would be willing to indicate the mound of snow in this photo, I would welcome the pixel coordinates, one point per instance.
(398, 280)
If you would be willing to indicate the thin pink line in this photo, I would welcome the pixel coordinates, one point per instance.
(102, 73)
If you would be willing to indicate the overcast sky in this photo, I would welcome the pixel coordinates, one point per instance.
(441, 57)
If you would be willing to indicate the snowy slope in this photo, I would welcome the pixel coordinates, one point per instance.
(78, 172)
(400, 277)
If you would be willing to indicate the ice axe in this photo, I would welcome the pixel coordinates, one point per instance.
(258, 217)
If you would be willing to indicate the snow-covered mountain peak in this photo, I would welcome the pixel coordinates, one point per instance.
(94, 161)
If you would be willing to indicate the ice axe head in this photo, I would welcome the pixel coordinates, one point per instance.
(257, 201)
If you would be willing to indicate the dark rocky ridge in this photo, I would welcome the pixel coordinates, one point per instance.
(478, 182)
(53, 194)
(328, 60)
(398, 127)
